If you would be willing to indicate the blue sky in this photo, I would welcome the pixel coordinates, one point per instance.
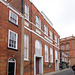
(61, 13)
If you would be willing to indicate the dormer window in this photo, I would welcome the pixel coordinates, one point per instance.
(38, 22)
(26, 11)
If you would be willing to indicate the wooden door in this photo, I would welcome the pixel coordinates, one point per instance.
(11, 68)
(37, 65)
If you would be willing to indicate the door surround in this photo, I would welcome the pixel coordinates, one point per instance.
(40, 64)
(12, 60)
(56, 64)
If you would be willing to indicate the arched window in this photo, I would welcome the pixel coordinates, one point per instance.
(26, 47)
(46, 29)
(51, 35)
(56, 55)
(38, 22)
(26, 11)
(55, 38)
(67, 46)
(51, 55)
(46, 53)
(38, 48)
(11, 60)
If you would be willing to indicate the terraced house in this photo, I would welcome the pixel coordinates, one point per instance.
(29, 44)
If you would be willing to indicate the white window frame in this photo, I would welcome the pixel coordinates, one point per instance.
(46, 53)
(38, 48)
(27, 12)
(10, 61)
(51, 55)
(56, 55)
(15, 15)
(16, 39)
(55, 38)
(51, 34)
(67, 46)
(58, 41)
(46, 29)
(38, 22)
(26, 43)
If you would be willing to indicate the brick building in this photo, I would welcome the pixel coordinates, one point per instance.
(68, 46)
(64, 60)
(37, 48)
(10, 40)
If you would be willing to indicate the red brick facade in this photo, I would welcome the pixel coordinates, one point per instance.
(71, 41)
(5, 51)
(33, 33)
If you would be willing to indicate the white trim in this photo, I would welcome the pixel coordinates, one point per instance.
(26, 6)
(39, 29)
(20, 14)
(14, 68)
(35, 64)
(51, 53)
(12, 8)
(27, 59)
(16, 39)
(39, 36)
(46, 52)
(15, 15)
(57, 64)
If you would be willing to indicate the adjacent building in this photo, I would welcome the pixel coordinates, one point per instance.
(68, 46)
(29, 44)
(64, 60)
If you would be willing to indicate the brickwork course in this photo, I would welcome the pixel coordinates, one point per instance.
(24, 67)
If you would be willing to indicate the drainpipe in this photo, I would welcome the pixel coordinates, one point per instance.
(22, 47)
(22, 4)
(22, 41)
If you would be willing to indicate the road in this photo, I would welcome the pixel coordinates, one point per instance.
(66, 72)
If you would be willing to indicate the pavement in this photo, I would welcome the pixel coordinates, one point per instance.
(61, 72)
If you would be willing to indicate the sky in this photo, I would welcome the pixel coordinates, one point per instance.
(61, 13)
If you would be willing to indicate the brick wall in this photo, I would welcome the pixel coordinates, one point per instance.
(29, 65)
(5, 52)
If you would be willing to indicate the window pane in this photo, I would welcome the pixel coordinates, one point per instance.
(46, 29)
(12, 40)
(46, 53)
(67, 46)
(13, 18)
(38, 21)
(38, 48)
(26, 11)
(26, 46)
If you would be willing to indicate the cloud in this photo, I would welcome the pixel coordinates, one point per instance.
(61, 13)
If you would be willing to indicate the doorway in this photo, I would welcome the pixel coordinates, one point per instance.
(38, 64)
(56, 65)
(11, 66)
